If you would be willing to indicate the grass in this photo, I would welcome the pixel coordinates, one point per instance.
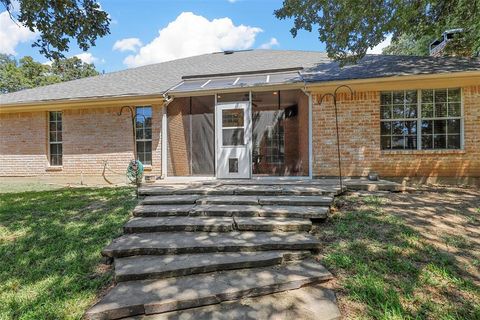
(49, 249)
(387, 270)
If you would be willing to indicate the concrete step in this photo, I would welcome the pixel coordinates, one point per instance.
(167, 266)
(272, 224)
(305, 212)
(312, 302)
(162, 210)
(179, 223)
(157, 296)
(161, 243)
(171, 199)
(296, 200)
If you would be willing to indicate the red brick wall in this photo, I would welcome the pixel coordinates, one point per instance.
(359, 121)
(94, 140)
(23, 143)
(95, 136)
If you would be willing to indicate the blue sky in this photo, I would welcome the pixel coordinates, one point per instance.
(189, 27)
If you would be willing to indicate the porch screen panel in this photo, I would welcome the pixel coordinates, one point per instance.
(280, 133)
(191, 144)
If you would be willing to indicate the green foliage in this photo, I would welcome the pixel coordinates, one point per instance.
(50, 243)
(350, 27)
(58, 22)
(72, 68)
(27, 73)
(407, 45)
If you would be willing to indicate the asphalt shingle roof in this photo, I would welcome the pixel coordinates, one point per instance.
(158, 78)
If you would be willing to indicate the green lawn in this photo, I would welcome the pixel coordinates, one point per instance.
(50, 243)
(385, 269)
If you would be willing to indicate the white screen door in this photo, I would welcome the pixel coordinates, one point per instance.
(234, 135)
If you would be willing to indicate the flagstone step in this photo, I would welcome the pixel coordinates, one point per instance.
(312, 302)
(215, 224)
(171, 199)
(231, 200)
(255, 190)
(157, 267)
(305, 212)
(272, 224)
(179, 223)
(157, 296)
(162, 210)
(296, 200)
(161, 243)
(267, 200)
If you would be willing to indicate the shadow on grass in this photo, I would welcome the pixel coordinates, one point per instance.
(50, 243)
(386, 269)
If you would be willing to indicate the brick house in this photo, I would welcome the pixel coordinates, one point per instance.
(249, 114)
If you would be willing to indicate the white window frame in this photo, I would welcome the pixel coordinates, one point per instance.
(144, 140)
(54, 142)
(419, 120)
(391, 120)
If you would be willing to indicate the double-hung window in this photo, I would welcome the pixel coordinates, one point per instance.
(421, 119)
(399, 115)
(441, 119)
(143, 134)
(55, 138)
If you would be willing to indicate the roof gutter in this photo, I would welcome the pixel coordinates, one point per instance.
(82, 102)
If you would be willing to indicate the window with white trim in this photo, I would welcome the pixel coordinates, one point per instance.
(143, 134)
(441, 119)
(399, 115)
(55, 144)
(421, 119)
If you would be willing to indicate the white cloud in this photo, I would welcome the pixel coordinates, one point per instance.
(86, 57)
(190, 35)
(232, 1)
(11, 34)
(128, 44)
(268, 45)
(382, 45)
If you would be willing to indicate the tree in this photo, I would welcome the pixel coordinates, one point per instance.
(406, 44)
(28, 73)
(72, 68)
(350, 27)
(58, 22)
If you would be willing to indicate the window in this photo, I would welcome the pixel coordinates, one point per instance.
(441, 119)
(420, 119)
(55, 138)
(398, 126)
(233, 120)
(143, 134)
